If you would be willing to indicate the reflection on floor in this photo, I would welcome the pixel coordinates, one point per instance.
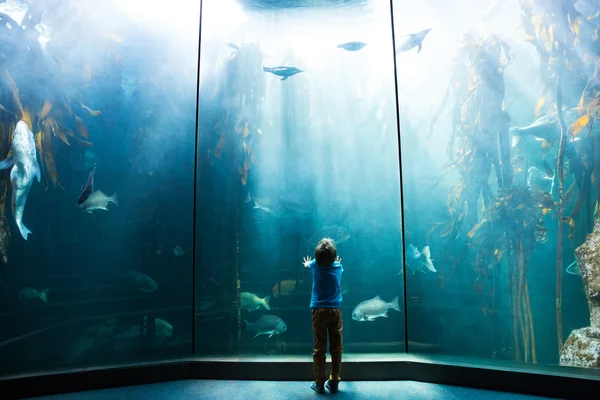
(267, 390)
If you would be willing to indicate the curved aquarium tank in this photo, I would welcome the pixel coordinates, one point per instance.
(165, 169)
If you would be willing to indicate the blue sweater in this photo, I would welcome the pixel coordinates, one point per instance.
(326, 288)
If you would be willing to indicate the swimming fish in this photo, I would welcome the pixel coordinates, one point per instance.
(25, 168)
(178, 251)
(284, 72)
(142, 282)
(415, 260)
(88, 188)
(29, 293)
(412, 253)
(250, 301)
(352, 46)
(536, 176)
(98, 201)
(204, 305)
(573, 269)
(129, 337)
(369, 310)
(545, 127)
(339, 234)
(414, 40)
(284, 288)
(267, 325)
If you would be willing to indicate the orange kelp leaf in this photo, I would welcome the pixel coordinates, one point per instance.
(473, 230)
(578, 125)
(38, 142)
(67, 105)
(82, 142)
(539, 105)
(57, 132)
(432, 229)
(93, 112)
(571, 222)
(45, 110)
(575, 26)
(8, 111)
(14, 90)
(26, 117)
(4, 188)
(48, 154)
(220, 145)
(81, 127)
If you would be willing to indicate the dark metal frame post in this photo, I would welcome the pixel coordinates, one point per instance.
(195, 212)
(400, 176)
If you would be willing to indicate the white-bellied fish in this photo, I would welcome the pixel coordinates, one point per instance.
(414, 40)
(284, 72)
(573, 269)
(178, 251)
(339, 234)
(142, 282)
(98, 201)
(545, 128)
(538, 179)
(250, 301)
(28, 294)
(351, 46)
(267, 325)
(25, 169)
(129, 336)
(416, 261)
(369, 310)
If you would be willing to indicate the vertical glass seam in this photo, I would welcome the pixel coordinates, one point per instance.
(400, 176)
(195, 195)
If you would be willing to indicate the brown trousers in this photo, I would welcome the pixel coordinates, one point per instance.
(327, 320)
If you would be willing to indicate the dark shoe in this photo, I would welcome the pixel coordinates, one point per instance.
(317, 388)
(331, 386)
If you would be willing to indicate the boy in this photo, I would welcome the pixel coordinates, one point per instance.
(326, 303)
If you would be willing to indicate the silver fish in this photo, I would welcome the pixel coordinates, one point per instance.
(98, 201)
(250, 301)
(29, 293)
(414, 40)
(284, 72)
(352, 46)
(545, 127)
(369, 310)
(267, 325)
(339, 234)
(416, 261)
(129, 336)
(25, 169)
(537, 177)
(573, 269)
(142, 282)
(178, 251)
(412, 253)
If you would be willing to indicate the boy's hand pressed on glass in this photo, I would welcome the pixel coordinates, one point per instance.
(306, 261)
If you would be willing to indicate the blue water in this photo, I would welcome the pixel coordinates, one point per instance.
(278, 164)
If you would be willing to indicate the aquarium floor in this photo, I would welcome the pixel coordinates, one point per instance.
(267, 390)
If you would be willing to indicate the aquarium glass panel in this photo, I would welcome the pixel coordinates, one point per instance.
(297, 142)
(98, 104)
(501, 163)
